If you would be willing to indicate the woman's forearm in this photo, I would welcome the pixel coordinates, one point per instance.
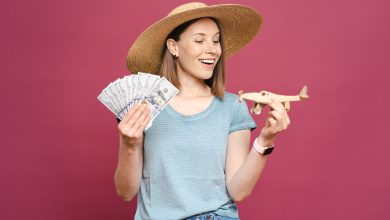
(128, 173)
(246, 177)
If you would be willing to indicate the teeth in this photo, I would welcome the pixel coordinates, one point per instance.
(207, 61)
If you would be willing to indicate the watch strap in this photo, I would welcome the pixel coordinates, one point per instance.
(262, 150)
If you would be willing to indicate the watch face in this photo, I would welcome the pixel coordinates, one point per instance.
(268, 150)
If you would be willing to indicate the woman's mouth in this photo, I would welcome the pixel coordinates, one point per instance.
(208, 62)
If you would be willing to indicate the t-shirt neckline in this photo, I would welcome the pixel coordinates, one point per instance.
(194, 116)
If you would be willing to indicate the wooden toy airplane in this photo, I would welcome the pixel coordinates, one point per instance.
(263, 98)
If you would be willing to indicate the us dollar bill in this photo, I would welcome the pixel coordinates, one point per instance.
(160, 95)
(121, 95)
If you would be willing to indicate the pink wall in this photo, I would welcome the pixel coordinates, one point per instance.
(59, 144)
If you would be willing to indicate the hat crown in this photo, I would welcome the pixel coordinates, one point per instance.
(187, 7)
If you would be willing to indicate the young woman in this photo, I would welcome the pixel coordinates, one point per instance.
(193, 162)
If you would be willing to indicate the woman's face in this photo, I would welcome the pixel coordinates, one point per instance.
(199, 49)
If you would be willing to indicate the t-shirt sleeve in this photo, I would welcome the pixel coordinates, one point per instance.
(241, 118)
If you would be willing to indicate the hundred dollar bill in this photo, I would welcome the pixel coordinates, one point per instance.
(134, 90)
(154, 80)
(161, 95)
(123, 94)
(106, 101)
(128, 80)
(119, 95)
(144, 84)
(142, 80)
(114, 94)
(113, 99)
(145, 81)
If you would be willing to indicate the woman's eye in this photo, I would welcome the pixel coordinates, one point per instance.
(216, 41)
(198, 41)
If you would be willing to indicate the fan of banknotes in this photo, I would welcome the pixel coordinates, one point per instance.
(122, 94)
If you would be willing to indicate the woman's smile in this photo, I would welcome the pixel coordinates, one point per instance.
(208, 63)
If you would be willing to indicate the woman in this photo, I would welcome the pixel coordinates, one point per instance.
(193, 163)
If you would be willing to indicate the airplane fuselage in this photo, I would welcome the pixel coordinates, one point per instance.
(265, 97)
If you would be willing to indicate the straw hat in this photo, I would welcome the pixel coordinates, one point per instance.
(239, 24)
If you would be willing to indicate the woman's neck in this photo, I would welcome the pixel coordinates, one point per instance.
(193, 87)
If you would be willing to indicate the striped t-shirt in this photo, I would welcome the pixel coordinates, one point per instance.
(184, 161)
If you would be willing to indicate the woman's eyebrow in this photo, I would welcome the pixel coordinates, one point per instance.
(203, 34)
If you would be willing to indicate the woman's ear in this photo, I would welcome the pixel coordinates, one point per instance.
(172, 47)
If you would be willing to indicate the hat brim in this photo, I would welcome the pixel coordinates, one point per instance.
(239, 24)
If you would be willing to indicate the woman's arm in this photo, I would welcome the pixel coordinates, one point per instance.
(242, 169)
(130, 160)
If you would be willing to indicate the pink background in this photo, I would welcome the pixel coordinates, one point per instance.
(59, 144)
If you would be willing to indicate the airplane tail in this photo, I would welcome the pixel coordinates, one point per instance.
(303, 94)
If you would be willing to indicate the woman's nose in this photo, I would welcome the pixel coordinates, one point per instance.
(211, 48)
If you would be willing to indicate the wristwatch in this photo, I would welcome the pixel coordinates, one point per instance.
(262, 150)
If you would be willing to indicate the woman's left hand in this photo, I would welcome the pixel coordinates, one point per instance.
(276, 122)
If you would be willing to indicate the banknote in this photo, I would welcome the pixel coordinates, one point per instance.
(112, 99)
(160, 95)
(124, 93)
(107, 102)
(128, 80)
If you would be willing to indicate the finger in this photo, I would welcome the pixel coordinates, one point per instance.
(277, 109)
(131, 112)
(277, 106)
(144, 123)
(122, 125)
(274, 102)
(276, 115)
(134, 117)
(132, 127)
(141, 118)
(138, 128)
(271, 122)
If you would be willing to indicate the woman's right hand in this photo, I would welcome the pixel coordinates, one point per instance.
(132, 126)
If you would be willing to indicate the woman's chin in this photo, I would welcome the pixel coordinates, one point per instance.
(207, 75)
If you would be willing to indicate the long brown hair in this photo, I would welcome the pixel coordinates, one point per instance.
(168, 67)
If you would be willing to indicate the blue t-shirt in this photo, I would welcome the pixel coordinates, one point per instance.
(184, 161)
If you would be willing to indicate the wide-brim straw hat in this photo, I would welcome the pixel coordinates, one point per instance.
(238, 24)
